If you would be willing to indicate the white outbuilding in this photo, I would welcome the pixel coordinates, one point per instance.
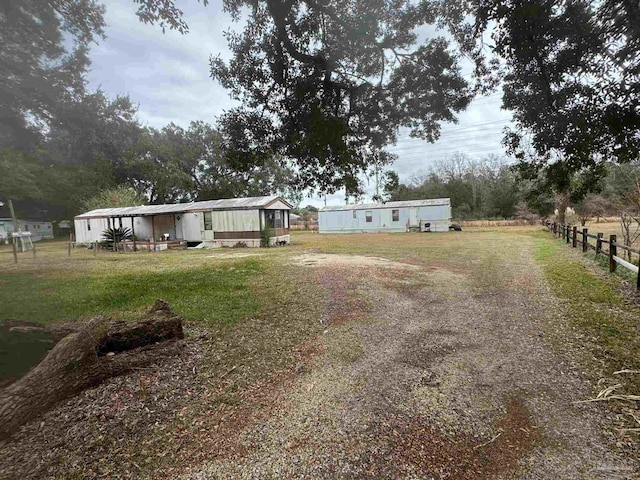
(432, 215)
(213, 223)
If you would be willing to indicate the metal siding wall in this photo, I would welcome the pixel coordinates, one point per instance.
(192, 225)
(164, 224)
(342, 221)
(235, 220)
(83, 235)
(80, 227)
(142, 227)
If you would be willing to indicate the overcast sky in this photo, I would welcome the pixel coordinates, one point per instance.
(167, 75)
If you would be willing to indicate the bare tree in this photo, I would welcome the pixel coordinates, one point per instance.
(629, 210)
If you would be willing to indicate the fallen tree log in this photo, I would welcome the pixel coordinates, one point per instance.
(86, 358)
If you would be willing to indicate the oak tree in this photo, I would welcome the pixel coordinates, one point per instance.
(324, 85)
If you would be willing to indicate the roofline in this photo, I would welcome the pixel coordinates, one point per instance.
(195, 209)
(26, 220)
(375, 206)
(279, 198)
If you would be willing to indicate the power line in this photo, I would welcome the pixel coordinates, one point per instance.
(481, 134)
(487, 137)
(474, 125)
(443, 156)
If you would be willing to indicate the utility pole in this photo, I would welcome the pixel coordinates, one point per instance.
(377, 185)
(13, 217)
(15, 231)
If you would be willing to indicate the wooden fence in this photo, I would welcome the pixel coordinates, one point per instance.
(571, 235)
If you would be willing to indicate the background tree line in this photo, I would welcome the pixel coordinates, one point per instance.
(64, 148)
(492, 187)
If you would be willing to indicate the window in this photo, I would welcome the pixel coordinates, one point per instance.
(395, 215)
(368, 216)
(269, 217)
(88, 225)
(354, 214)
(208, 223)
(278, 219)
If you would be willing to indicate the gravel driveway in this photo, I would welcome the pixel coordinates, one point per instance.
(431, 371)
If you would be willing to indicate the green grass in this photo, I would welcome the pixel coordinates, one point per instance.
(602, 321)
(218, 293)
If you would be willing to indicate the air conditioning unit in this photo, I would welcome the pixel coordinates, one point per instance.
(425, 226)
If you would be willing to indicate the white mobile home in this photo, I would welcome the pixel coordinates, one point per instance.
(433, 215)
(213, 223)
(39, 229)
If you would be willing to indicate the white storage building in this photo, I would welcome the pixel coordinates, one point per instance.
(214, 223)
(432, 215)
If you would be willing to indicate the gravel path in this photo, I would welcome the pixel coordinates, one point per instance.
(448, 375)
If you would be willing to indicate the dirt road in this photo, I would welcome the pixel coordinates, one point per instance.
(431, 371)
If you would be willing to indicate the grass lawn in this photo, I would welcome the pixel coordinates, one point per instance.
(223, 287)
(54, 287)
(605, 325)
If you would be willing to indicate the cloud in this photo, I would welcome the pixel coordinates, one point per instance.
(166, 74)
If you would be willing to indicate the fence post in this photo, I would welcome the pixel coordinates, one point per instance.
(568, 233)
(575, 237)
(613, 251)
(34, 251)
(585, 240)
(15, 250)
(599, 243)
(555, 229)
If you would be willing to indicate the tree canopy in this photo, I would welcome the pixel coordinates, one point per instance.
(38, 68)
(326, 84)
(570, 76)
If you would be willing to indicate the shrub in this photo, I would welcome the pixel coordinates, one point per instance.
(112, 236)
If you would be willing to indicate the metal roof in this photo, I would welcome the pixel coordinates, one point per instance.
(402, 204)
(222, 204)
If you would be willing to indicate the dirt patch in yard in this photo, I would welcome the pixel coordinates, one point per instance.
(418, 448)
(345, 261)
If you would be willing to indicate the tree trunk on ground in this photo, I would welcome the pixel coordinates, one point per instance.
(562, 202)
(85, 358)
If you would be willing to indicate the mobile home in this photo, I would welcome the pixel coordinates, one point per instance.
(213, 223)
(432, 215)
(39, 229)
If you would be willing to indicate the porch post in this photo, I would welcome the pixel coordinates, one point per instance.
(133, 233)
(153, 231)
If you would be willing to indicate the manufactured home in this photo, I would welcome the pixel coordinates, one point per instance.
(39, 229)
(213, 223)
(433, 215)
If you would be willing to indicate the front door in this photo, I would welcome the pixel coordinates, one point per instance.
(414, 221)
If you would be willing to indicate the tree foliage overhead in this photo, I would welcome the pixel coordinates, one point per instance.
(571, 77)
(37, 68)
(325, 84)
